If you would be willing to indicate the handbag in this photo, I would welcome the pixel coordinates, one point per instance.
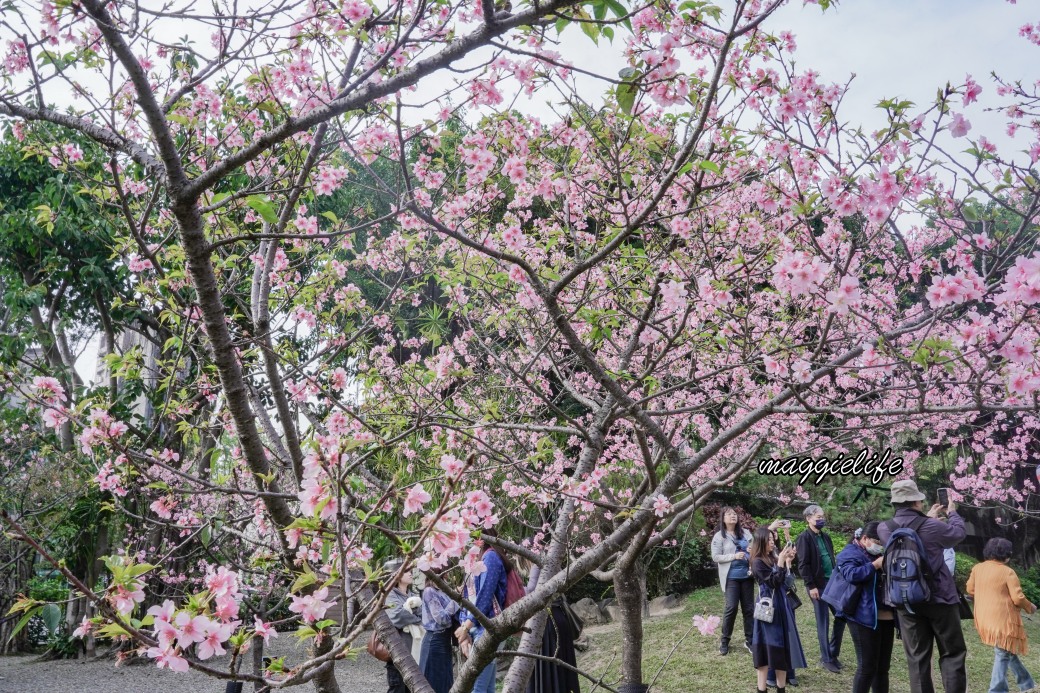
(964, 606)
(792, 592)
(764, 610)
(377, 649)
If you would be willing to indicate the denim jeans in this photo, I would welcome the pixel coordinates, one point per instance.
(1002, 659)
(485, 682)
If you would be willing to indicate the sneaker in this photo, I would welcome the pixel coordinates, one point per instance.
(831, 667)
(837, 663)
(747, 646)
(724, 649)
(792, 682)
(770, 683)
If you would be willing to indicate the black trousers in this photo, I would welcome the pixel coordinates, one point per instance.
(873, 656)
(739, 593)
(938, 624)
(394, 682)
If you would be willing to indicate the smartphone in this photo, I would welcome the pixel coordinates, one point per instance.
(944, 497)
(785, 523)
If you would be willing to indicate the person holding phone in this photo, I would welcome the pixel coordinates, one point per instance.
(775, 645)
(936, 623)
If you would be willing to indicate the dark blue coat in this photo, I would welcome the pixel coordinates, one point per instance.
(855, 566)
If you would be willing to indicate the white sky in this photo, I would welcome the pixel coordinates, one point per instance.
(904, 48)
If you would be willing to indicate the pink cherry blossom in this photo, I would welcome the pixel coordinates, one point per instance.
(190, 629)
(168, 658)
(706, 625)
(959, 125)
(662, 506)
(417, 497)
(311, 607)
(263, 630)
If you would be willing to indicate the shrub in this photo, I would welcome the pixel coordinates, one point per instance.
(48, 589)
(962, 569)
(1030, 580)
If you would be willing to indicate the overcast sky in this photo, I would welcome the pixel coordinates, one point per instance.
(909, 48)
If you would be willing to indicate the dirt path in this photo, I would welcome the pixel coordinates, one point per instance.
(24, 674)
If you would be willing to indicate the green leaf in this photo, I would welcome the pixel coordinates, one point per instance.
(708, 166)
(626, 96)
(263, 207)
(51, 617)
(23, 620)
(969, 213)
(304, 580)
(306, 632)
(139, 569)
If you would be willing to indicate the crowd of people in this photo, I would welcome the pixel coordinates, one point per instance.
(434, 627)
(893, 578)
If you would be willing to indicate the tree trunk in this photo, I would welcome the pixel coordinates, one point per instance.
(258, 661)
(630, 591)
(325, 679)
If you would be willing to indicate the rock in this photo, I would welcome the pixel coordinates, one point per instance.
(609, 601)
(613, 612)
(582, 643)
(660, 605)
(589, 612)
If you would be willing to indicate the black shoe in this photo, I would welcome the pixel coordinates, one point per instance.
(724, 649)
(838, 663)
(831, 667)
(747, 646)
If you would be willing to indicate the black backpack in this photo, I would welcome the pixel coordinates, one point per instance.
(908, 576)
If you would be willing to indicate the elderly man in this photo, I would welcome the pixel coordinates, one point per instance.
(815, 565)
(937, 622)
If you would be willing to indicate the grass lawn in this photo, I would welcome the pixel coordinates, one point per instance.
(678, 660)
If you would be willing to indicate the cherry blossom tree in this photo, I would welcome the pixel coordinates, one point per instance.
(572, 326)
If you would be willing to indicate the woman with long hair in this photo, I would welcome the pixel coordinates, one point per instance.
(729, 549)
(487, 591)
(774, 645)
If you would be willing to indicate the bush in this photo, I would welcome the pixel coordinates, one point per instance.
(681, 568)
(1030, 580)
(962, 569)
(48, 589)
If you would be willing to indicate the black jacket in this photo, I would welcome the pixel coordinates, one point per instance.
(810, 566)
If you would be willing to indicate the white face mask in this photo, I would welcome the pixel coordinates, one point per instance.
(875, 549)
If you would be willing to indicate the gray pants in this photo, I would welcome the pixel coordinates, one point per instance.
(830, 640)
(939, 624)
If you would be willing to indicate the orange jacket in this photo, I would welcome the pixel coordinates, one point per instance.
(998, 598)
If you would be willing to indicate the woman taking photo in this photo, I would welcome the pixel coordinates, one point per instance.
(856, 595)
(729, 548)
(998, 598)
(775, 645)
